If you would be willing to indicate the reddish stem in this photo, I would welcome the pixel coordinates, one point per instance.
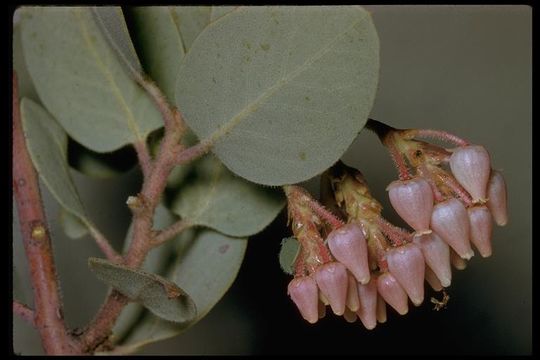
(171, 231)
(441, 135)
(396, 235)
(397, 157)
(325, 214)
(104, 245)
(24, 312)
(145, 160)
(48, 317)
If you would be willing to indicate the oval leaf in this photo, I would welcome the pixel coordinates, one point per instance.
(206, 265)
(281, 92)
(81, 81)
(111, 21)
(162, 297)
(190, 21)
(222, 201)
(26, 87)
(47, 144)
(290, 248)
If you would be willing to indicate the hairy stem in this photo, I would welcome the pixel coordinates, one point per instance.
(169, 232)
(145, 160)
(48, 319)
(104, 245)
(24, 312)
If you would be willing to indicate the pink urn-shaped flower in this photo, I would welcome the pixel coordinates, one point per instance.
(471, 166)
(304, 293)
(413, 201)
(481, 229)
(333, 282)
(497, 201)
(406, 264)
(451, 222)
(392, 292)
(437, 256)
(348, 245)
(367, 312)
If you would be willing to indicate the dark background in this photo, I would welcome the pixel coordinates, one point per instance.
(463, 69)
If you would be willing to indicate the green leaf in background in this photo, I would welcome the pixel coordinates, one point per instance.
(159, 45)
(162, 297)
(26, 87)
(227, 203)
(290, 248)
(71, 224)
(111, 21)
(281, 92)
(190, 21)
(92, 166)
(206, 265)
(47, 145)
(81, 81)
(218, 11)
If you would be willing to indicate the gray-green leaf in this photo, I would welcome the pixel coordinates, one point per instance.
(281, 92)
(162, 297)
(190, 21)
(81, 81)
(47, 145)
(159, 45)
(206, 265)
(219, 11)
(227, 203)
(290, 248)
(26, 87)
(72, 225)
(112, 23)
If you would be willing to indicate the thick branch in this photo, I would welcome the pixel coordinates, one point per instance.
(49, 318)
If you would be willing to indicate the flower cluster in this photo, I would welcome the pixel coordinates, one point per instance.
(361, 263)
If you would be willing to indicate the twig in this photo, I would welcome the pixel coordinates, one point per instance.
(49, 318)
(24, 312)
(104, 245)
(171, 231)
(145, 160)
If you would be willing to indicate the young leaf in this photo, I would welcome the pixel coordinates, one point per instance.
(47, 145)
(281, 92)
(81, 81)
(206, 265)
(159, 45)
(290, 248)
(111, 21)
(162, 297)
(222, 201)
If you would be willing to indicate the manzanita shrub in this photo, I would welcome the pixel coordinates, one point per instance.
(229, 109)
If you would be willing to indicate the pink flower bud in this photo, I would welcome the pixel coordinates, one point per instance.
(497, 198)
(406, 264)
(349, 316)
(437, 256)
(348, 245)
(451, 222)
(471, 167)
(303, 292)
(481, 227)
(457, 261)
(390, 290)
(352, 295)
(413, 201)
(367, 312)
(381, 309)
(432, 279)
(333, 282)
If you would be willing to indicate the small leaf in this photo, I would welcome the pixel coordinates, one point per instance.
(280, 91)
(224, 202)
(162, 297)
(219, 11)
(159, 45)
(206, 265)
(71, 224)
(47, 145)
(81, 81)
(290, 248)
(111, 21)
(94, 167)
